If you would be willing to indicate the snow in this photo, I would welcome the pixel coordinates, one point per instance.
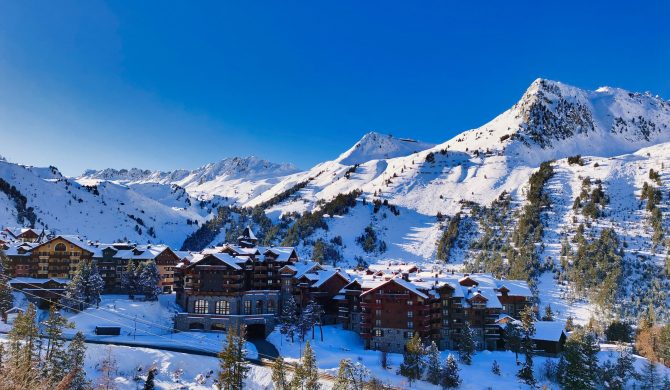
(342, 344)
(548, 330)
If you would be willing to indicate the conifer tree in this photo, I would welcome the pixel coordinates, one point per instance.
(466, 346)
(232, 363)
(76, 354)
(527, 331)
(450, 376)
(580, 362)
(433, 369)
(513, 339)
(412, 364)
(288, 318)
(129, 279)
(149, 279)
(495, 368)
(279, 378)
(108, 368)
(6, 296)
(548, 314)
(56, 362)
(342, 379)
(311, 371)
(650, 379)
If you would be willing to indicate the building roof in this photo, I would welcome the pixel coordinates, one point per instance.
(549, 330)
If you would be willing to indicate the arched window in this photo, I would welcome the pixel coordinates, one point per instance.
(201, 306)
(60, 247)
(223, 307)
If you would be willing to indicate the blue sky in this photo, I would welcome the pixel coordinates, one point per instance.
(163, 85)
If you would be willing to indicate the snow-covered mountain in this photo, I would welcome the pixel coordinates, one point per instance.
(238, 179)
(43, 197)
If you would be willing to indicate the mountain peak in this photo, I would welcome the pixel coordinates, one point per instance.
(376, 146)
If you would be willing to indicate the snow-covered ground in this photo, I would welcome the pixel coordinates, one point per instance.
(340, 344)
(145, 323)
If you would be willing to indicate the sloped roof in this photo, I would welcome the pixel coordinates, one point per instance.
(549, 330)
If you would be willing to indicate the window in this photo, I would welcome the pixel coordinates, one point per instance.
(223, 307)
(378, 322)
(60, 247)
(271, 306)
(378, 313)
(410, 303)
(378, 301)
(409, 335)
(410, 314)
(378, 333)
(259, 307)
(410, 325)
(247, 307)
(201, 306)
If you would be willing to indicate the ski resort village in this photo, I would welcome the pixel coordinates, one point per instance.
(531, 252)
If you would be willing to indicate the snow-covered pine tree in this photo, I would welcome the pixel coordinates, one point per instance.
(450, 378)
(433, 367)
(129, 280)
(76, 354)
(548, 313)
(95, 285)
(527, 346)
(149, 280)
(412, 364)
(466, 346)
(279, 374)
(342, 379)
(289, 318)
(233, 366)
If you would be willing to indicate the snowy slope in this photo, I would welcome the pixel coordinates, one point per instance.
(106, 212)
(238, 179)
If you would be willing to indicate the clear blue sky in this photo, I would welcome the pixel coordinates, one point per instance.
(162, 85)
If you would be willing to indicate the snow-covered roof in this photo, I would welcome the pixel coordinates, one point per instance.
(549, 330)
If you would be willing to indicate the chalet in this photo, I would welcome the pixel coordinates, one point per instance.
(26, 234)
(57, 257)
(230, 286)
(549, 337)
(43, 292)
(311, 281)
(445, 304)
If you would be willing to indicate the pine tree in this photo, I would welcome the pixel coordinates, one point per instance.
(129, 280)
(76, 354)
(6, 296)
(548, 314)
(527, 331)
(306, 376)
(232, 363)
(580, 362)
(450, 377)
(495, 368)
(342, 379)
(95, 286)
(513, 339)
(279, 378)
(288, 318)
(650, 379)
(412, 364)
(149, 383)
(466, 346)
(149, 281)
(23, 338)
(85, 287)
(56, 362)
(311, 371)
(433, 369)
